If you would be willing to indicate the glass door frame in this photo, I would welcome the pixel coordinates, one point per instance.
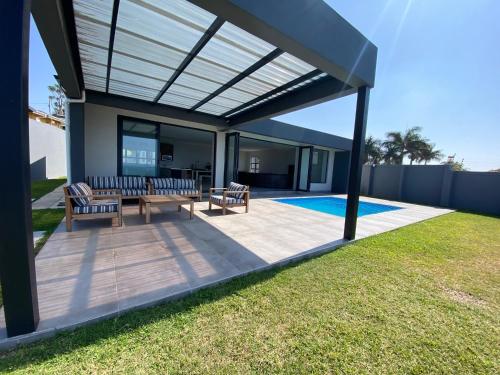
(299, 169)
(119, 162)
(236, 156)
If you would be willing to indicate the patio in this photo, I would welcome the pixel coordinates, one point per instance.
(98, 271)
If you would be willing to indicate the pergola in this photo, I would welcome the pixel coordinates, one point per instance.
(223, 63)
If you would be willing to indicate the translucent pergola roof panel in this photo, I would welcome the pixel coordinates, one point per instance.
(93, 23)
(178, 49)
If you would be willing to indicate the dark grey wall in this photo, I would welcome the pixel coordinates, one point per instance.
(385, 182)
(422, 184)
(434, 185)
(476, 191)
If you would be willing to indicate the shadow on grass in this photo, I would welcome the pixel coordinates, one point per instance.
(68, 341)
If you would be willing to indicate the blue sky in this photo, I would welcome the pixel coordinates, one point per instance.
(438, 68)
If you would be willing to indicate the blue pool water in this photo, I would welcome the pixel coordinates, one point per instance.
(336, 206)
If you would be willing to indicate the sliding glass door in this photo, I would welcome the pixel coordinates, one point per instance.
(304, 173)
(139, 148)
(232, 158)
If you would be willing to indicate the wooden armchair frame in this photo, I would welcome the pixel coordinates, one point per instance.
(116, 217)
(225, 204)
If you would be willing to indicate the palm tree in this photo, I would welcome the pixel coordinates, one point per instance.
(428, 153)
(402, 144)
(390, 153)
(373, 150)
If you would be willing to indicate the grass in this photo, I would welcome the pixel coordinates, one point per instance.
(42, 187)
(422, 299)
(46, 220)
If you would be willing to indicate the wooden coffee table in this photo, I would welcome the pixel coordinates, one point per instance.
(164, 200)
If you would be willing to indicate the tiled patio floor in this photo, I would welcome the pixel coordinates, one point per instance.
(98, 271)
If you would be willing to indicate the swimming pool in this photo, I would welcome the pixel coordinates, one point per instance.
(336, 206)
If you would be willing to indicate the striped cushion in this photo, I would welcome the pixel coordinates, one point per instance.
(134, 192)
(183, 183)
(218, 199)
(102, 182)
(162, 183)
(187, 192)
(106, 192)
(164, 191)
(132, 182)
(83, 191)
(97, 207)
(233, 186)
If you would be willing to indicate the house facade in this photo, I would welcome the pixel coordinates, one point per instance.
(180, 87)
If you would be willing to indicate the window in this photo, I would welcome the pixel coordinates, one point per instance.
(254, 164)
(319, 166)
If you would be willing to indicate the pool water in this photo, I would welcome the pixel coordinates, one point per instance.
(336, 206)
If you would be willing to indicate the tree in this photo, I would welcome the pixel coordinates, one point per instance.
(457, 166)
(429, 153)
(409, 143)
(57, 100)
(373, 150)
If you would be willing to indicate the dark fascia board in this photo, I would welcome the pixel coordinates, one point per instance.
(51, 20)
(308, 29)
(322, 90)
(110, 100)
(281, 130)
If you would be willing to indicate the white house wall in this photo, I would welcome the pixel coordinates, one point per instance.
(47, 150)
(101, 139)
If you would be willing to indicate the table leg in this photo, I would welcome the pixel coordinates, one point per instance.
(179, 208)
(148, 213)
(191, 210)
(140, 207)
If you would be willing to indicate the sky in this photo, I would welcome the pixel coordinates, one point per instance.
(438, 67)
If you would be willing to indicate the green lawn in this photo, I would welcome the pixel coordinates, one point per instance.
(422, 299)
(42, 187)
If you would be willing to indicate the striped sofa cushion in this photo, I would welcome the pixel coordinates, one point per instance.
(97, 207)
(164, 191)
(134, 192)
(187, 192)
(218, 199)
(83, 191)
(162, 183)
(183, 183)
(233, 186)
(103, 182)
(132, 182)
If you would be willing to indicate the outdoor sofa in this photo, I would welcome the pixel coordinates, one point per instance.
(235, 195)
(132, 187)
(178, 186)
(83, 203)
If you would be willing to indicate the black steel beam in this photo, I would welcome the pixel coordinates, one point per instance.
(356, 165)
(308, 29)
(286, 86)
(112, 31)
(216, 25)
(259, 64)
(17, 260)
(55, 22)
(321, 90)
(159, 109)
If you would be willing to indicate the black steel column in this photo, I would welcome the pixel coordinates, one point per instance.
(17, 262)
(75, 142)
(355, 168)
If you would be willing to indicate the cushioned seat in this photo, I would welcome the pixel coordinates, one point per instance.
(133, 192)
(229, 200)
(187, 191)
(97, 207)
(164, 191)
(129, 186)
